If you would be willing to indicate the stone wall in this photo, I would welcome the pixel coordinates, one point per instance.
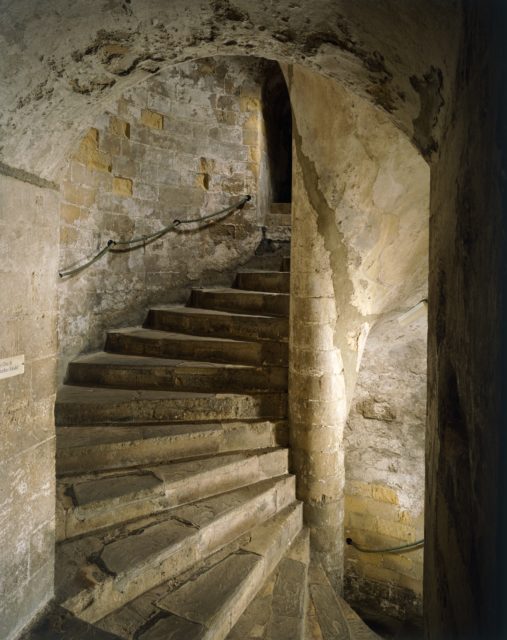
(384, 463)
(465, 575)
(29, 250)
(359, 252)
(184, 144)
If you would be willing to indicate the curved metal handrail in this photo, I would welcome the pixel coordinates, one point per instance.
(411, 546)
(142, 241)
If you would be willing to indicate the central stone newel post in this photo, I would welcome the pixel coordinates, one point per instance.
(317, 401)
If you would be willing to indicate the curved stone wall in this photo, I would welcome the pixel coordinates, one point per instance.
(182, 145)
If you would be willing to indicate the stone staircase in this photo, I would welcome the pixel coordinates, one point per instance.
(175, 505)
(176, 515)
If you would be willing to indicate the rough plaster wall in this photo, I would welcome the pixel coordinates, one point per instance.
(384, 466)
(370, 188)
(466, 490)
(182, 145)
(28, 246)
(63, 63)
(359, 252)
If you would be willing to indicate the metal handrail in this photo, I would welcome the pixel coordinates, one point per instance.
(411, 546)
(142, 241)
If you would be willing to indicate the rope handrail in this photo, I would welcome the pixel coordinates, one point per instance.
(411, 546)
(141, 241)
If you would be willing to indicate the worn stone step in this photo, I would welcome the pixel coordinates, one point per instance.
(274, 220)
(281, 208)
(286, 264)
(270, 281)
(239, 301)
(83, 448)
(91, 405)
(278, 235)
(219, 324)
(266, 262)
(104, 571)
(164, 344)
(141, 372)
(96, 501)
(279, 610)
(205, 602)
(329, 616)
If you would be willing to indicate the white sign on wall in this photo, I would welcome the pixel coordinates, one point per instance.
(13, 366)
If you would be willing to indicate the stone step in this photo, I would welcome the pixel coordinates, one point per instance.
(279, 610)
(274, 220)
(141, 372)
(104, 571)
(164, 344)
(205, 602)
(218, 324)
(239, 301)
(286, 264)
(269, 281)
(281, 208)
(81, 449)
(329, 616)
(278, 235)
(266, 262)
(96, 501)
(80, 405)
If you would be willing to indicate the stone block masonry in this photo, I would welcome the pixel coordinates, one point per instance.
(185, 143)
(28, 238)
(384, 453)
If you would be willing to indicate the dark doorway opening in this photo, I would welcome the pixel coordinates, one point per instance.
(278, 122)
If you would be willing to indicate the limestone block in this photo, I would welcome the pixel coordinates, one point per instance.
(119, 127)
(122, 186)
(88, 153)
(152, 119)
(396, 530)
(384, 494)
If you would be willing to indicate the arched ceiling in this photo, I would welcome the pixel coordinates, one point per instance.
(62, 61)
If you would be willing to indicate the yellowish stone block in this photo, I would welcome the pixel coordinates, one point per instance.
(119, 127)
(152, 119)
(122, 186)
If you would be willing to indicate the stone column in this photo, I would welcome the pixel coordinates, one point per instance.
(317, 402)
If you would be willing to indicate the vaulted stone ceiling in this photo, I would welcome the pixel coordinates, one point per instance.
(64, 61)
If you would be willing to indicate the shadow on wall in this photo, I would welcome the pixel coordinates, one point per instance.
(277, 114)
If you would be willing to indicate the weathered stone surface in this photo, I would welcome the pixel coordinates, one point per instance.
(119, 370)
(103, 572)
(113, 487)
(240, 301)
(330, 617)
(218, 589)
(160, 153)
(275, 281)
(54, 86)
(148, 342)
(89, 405)
(278, 610)
(172, 628)
(28, 228)
(111, 499)
(384, 441)
(91, 448)
(218, 323)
